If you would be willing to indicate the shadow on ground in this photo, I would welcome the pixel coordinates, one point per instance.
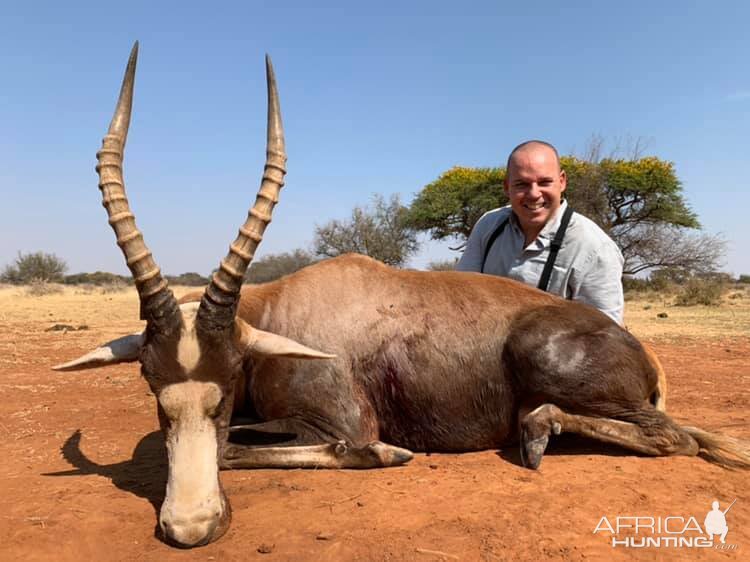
(566, 445)
(144, 475)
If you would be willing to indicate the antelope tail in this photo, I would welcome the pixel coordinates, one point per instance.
(728, 452)
(659, 396)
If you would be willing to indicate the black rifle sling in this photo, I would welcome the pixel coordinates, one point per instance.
(554, 248)
(491, 240)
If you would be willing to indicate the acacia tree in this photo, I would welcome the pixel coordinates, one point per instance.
(658, 246)
(638, 202)
(451, 205)
(379, 231)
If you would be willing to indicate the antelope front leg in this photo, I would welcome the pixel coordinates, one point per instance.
(331, 455)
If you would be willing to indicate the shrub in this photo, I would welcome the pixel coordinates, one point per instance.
(634, 284)
(114, 287)
(665, 280)
(37, 267)
(442, 265)
(40, 288)
(706, 291)
(191, 279)
(98, 278)
(273, 266)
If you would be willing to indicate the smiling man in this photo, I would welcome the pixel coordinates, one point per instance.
(540, 241)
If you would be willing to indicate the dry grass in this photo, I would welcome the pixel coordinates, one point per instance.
(113, 311)
(107, 314)
(730, 319)
(42, 288)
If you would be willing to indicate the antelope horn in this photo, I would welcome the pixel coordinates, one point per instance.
(219, 302)
(158, 305)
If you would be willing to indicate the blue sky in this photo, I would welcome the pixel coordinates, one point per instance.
(377, 97)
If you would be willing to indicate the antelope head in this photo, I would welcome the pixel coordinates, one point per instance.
(191, 354)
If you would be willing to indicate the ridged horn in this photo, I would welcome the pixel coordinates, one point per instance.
(219, 303)
(158, 304)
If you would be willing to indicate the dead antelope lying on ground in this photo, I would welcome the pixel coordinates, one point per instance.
(410, 361)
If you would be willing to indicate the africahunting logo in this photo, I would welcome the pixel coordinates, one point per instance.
(673, 531)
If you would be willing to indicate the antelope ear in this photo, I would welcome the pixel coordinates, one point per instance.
(258, 342)
(122, 350)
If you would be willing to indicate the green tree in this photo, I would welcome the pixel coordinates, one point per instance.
(34, 267)
(379, 231)
(449, 206)
(585, 192)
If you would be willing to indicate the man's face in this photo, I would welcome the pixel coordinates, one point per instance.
(534, 184)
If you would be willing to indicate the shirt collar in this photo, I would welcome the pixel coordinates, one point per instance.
(548, 231)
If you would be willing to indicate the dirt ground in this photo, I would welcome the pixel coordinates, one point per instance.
(83, 468)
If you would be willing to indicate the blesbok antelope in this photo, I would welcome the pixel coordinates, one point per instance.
(410, 361)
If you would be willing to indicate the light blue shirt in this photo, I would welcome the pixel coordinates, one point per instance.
(588, 267)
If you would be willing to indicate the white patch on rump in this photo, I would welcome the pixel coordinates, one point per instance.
(188, 348)
(193, 504)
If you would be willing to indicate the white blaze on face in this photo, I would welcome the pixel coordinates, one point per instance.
(193, 505)
(188, 349)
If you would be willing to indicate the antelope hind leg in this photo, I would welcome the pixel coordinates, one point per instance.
(330, 455)
(662, 438)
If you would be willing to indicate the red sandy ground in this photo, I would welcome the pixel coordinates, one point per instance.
(480, 506)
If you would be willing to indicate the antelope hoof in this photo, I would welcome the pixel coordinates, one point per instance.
(389, 455)
(532, 450)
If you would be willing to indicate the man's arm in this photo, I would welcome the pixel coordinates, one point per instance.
(601, 283)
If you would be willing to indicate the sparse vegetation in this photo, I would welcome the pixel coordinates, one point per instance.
(273, 266)
(442, 265)
(191, 279)
(98, 278)
(676, 287)
(39, 288)
(35, 267)
(706, 291)
(380, 231)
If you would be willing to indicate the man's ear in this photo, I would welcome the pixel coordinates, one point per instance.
(563, 181)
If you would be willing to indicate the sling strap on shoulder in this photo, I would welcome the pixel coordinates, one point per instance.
(491, 240)
(554, 246)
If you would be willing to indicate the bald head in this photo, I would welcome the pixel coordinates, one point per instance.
(534, 184)
(529, 146)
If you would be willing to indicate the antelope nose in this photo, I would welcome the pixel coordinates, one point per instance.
(188, 532)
